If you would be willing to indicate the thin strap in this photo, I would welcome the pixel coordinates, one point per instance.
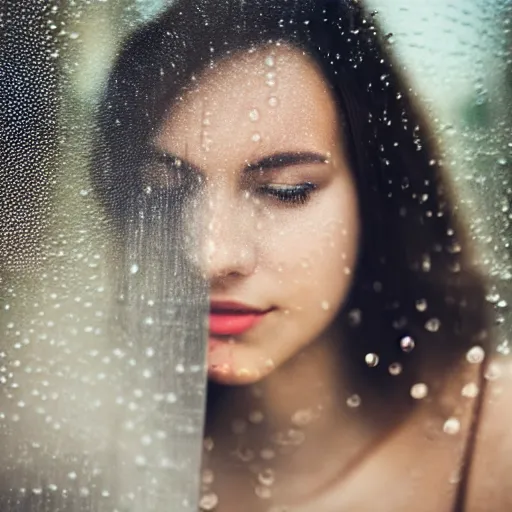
(467, 459)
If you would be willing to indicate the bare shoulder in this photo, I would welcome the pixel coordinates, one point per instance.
(490, 480)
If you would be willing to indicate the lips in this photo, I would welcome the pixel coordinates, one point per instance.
(233, 318)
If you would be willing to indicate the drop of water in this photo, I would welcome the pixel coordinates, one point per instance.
(421, 305)
(354, 401)
(208, 444)
(256, 137)
(354, 317)
(302, 417)
(372, 360)
(270, 61)
(475, 355)
(493, 372)
(419, 391)
(273, 101)
(325, 305)
(292, 437)
(134, 269)
(433, 325)
(208, 501)
(395, 369)
(470, 390)
(207, 477)
(256, 417)
(254, 115)
(451, 426)
(426, 263)
(267, 454)
(266, 477)
(140, 461)
(407, 344)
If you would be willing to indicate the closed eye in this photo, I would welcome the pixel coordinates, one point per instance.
(294, 194)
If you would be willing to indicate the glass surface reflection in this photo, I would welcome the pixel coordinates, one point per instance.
(255, 255)
(348, 326)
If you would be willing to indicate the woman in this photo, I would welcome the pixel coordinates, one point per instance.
(283, 158)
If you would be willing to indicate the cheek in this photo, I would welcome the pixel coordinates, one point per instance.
(314, 252)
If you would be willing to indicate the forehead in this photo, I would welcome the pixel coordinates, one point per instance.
(253, 101)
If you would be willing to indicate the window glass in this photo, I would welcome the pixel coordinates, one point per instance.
(255, 255)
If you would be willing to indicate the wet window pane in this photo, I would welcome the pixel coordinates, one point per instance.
(255, 255)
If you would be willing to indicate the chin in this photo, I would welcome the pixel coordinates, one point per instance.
(227, 375)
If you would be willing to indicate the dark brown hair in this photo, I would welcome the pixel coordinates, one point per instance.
(414, 275)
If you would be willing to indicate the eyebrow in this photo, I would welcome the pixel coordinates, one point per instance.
(274, 161)
(288, 159)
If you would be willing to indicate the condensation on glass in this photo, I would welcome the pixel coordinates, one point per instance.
(116, 393)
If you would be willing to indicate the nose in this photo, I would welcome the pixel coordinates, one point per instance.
(228, 245)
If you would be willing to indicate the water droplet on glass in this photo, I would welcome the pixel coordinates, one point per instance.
(493, 298)
(84, 492)
(493, 372)
(273, 101)
(256, 417)
(292, 437)
(475, 355)
(302, 417)
(421, 305)
(426, 263)
(267, 454)
(433, 325)
(470, 390)
(372, 360)
(140, 461)
(354, 317)
(266, 477)
(208, 501)
(407, 344)
(419, 391)
(451, 426)
(354, 401)
(207, 477)
(134, 268)
(254, 115)
(395, 369)
(270, 61)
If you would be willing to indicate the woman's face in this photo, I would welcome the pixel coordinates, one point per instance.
(276, 212)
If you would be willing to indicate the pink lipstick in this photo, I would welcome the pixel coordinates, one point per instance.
(232, 318)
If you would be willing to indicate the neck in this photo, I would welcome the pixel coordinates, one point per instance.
(292, 420)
